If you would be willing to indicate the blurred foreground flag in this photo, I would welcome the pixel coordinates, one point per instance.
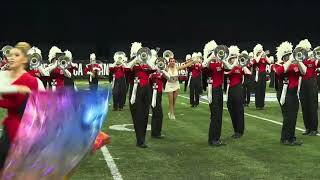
(56, 132)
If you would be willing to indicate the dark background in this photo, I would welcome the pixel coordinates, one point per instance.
(182, 26)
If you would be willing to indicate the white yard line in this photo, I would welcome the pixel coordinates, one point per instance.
(254, 116)
(111, 164)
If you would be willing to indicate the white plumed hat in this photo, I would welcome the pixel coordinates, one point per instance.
(34, 50)
(53, 52)
(251, 54)
(208, 48)
(188, 56)
(234, 51)
(257, 48)
(68, 54)
(305, 44)
(194, 55)
(245, 52)
(92, 56)
(284, 49)
(135, 48)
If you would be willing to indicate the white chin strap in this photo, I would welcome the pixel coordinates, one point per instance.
(284, 92)
(134, 90)
(209, 90)
(154, 95)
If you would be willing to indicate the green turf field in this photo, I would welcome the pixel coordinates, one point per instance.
(184, 153)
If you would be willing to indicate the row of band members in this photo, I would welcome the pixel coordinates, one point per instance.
(142, 78)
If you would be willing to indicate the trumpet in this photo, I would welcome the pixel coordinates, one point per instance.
(316, 53)
(144, 55)
(64, 62)
(221, 52)
(35, 60)
(6, 50)
(161, 63)
(300, 54)
(244, 60)
(167, 54)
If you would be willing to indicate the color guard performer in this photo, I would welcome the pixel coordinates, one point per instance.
(93, 70)
(119, 87)
(195, 82)
(261, 60)
(13, 95)
(215, 71)
(288, 74)
(234, 90)
(309, 92)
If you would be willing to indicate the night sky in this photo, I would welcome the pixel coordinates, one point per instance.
(182, 26)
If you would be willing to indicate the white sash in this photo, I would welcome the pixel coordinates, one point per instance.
(228, 86)
(209, 90)
(299, 86)
(284, 92)
(154, 95)
(134, 90)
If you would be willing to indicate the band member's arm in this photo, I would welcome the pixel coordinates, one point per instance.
(66, 73)
(246, 70)
(45, 71)
(165, 74)
(302, 68)
(227, 65)
(188, 64)
(269, 60)
(132, 63)
(207, 61)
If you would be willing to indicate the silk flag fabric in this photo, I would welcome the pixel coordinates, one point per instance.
(56, 132)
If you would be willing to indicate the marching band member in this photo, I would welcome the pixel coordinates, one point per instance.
(309, 92)
(141, 94)
(288, 74)
(14, 98)
(261, 62)
(188, 73)
(195, 82)
(234, 92)
(157, 80)
(246, 85)
(69, 81)
(215, 70)
(93, 70)
(4, 65)
(56, 73)
(119, 80)
(172, 85)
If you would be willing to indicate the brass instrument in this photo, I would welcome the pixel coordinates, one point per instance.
(119, 57)
(144, 55)
(6, 50)
(64, 62)
(35, 60)
(167, 54)
(221, 52)
(300, 54)
(265, 53)
(316, 53)
(244, 60)
(161, 63)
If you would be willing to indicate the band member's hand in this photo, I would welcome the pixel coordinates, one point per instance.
(23, 89)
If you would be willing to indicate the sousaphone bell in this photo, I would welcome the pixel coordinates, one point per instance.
(35, 60)
(144, 55)
(221, 52)
(316, 53)
(64, 62)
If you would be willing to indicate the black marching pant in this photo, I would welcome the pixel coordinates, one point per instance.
(216, 108)
(309, 103)
(195, 90)
(236, 109)
(93, 85)
(272, 79)
(289, 113)
(260, 90)
(246, 91)
(4, 147)
(157, 117)
(119, 93)
(140, 111)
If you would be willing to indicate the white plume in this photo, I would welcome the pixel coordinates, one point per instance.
(257, 48)
(53, 51)
(199, 54)
(305, 44)
(68, 54)
(135, 48)
(234, 51)
(194, 55)
(93, 56)
(188, 56)
(154, 56)
(209, 47)
(245, 52)
(251, 54)
(34, 50)
(284, 49)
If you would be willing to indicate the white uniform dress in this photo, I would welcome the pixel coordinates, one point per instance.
(173, 83)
